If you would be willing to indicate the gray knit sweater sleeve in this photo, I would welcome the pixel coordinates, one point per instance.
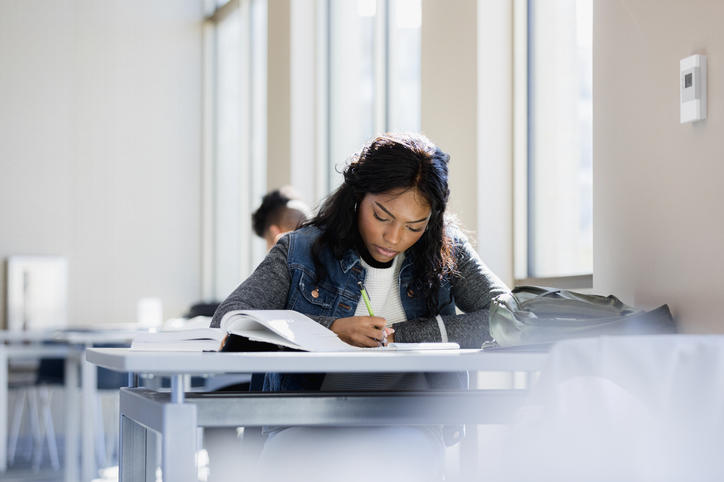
(266, 289)
(473, 290)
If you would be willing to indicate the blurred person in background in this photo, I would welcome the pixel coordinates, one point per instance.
(280, 211)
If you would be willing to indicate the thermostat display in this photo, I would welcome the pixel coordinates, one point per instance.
(692, 88)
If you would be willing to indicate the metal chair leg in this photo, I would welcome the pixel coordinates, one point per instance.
(15, 428)
(49, 428)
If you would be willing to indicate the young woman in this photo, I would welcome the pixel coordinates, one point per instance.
(385, 227)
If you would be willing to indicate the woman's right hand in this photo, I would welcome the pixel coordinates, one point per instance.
(364, 331)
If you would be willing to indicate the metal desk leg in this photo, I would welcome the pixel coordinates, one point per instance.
(179, 435)
(469, 444)
(179, 444)
(177, 389)
(3, 410)
(72, 416)
(175, 424)
(88, 404)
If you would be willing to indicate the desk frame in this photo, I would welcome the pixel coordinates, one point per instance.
(176, 415)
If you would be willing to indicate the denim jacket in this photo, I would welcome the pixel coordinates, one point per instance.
(338, 294)
(285, 279)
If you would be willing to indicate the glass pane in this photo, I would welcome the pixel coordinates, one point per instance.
(256, 179)
(560, 138)
(227, 167)
(351, 80)
(404, 65)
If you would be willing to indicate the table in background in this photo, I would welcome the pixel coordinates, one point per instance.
(69, 345)
(176, 415)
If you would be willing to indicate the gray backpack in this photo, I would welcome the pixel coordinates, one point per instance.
(536, 315)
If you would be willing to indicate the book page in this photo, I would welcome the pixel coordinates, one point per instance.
(295, 330)
(261, 333)
(292, 327)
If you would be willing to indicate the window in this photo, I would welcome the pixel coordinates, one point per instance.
(404, 65)
(373, 74)
(235, 165)
(554, 146)
(365, 77)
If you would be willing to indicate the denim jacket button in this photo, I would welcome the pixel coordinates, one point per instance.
(410, 293)
(315, 293)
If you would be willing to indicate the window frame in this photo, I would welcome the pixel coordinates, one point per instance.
(252, 134)
(522, 146)
(381, 62)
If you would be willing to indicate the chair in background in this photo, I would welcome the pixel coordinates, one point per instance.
(34, 399)
(36, 293)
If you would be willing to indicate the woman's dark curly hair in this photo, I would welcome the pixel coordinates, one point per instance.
(392, 161)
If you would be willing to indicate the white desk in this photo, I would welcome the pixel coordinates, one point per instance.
(71, 343)
(176, 415)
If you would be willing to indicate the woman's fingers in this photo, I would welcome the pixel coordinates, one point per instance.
(369, 342)
(376, 321)
(383, 336)
(366, 331)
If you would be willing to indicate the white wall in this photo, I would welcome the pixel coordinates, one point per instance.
(278, 95)
(466, 109)
(449, 96)
(658, 184)
(494, 136)
(100, 148)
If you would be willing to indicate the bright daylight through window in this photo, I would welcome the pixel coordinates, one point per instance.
(374, 72)
(559, 147)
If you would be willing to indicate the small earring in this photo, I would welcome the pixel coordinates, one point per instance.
(355, 207)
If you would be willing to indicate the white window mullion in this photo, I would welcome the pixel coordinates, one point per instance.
(245, 126)
(381, 66)
(303, 101)
(322, 104)
(207, 168)
(520, 138)
(257, 114)
(229, 149)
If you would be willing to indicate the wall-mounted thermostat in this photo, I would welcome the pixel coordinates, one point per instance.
(692, 88)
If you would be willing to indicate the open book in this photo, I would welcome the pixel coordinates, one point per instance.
(263, 330)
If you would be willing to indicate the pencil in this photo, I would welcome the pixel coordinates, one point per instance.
(366, 299)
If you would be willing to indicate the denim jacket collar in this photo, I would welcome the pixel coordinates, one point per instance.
(348, 260)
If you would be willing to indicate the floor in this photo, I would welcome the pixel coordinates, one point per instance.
(226, 456)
